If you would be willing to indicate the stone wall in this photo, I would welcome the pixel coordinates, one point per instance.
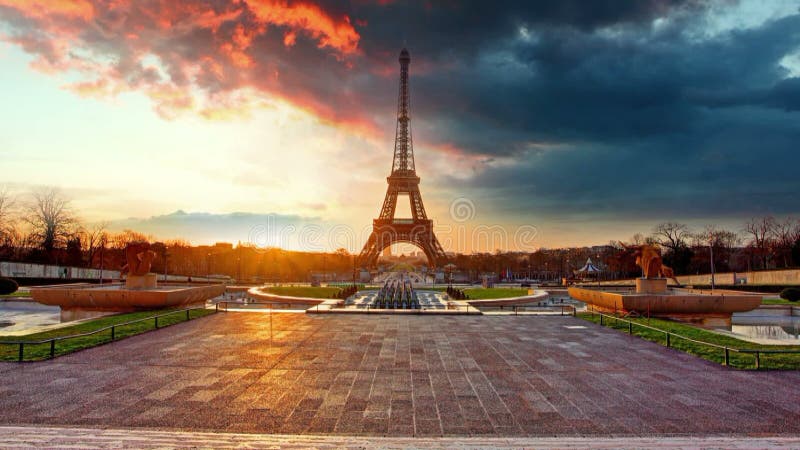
(763, 277)
(19, 270)
(29, 270)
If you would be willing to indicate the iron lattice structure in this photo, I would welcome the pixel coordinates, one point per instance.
(403, 180)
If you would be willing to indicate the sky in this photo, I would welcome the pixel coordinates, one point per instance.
(535, 123)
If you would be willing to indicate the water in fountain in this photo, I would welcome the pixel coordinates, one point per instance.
(396, 294)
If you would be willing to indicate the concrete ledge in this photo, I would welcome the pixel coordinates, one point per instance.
(537, 296)
(316, 305)
(258, 294)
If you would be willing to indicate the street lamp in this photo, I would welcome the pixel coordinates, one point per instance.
(166, 260)
(711, 252)
(102, 256)
(208, 267)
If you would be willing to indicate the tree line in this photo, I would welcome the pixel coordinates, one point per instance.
(44, 228)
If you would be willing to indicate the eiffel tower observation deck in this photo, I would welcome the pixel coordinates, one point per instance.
(403, 180)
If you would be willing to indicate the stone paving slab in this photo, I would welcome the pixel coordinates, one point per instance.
(53, 437)
(398, 376)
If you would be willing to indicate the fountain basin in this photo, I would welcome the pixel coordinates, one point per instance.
(81, 301)
(706, 309)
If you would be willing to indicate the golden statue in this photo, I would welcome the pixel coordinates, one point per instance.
(648, 257)
(139, 257)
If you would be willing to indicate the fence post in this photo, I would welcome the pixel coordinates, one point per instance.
(156, 318)
(187, 314)
(52, 349)
(630, 327)
(601, 319)
(668, 343)
(216, 307)
(758, 360)
(727, 356)
(21, 351)
(112, 332)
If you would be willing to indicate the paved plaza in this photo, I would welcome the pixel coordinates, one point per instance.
(401, 376)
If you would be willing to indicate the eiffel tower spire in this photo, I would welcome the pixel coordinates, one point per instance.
(386, 229)
(403, 163)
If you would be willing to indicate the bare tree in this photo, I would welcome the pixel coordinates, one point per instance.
(122, 239)
(784, 234)
(671, 235)
(6, 213)
(760, 228)
(51, 219)
(93, 239)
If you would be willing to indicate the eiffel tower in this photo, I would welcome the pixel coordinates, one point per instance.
(387, 230)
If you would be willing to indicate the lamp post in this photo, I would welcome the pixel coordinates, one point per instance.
(208, 267)
(239, 262)
(166, 261)
(102, 256)
(711, 253)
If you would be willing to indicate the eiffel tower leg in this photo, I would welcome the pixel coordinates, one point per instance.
(369, 254)
(417, 208)
(389, 204)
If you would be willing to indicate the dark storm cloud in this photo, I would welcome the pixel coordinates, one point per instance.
(631, 120)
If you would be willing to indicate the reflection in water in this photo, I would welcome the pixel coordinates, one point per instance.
(20, 316)
(785, 329)
(775, 332)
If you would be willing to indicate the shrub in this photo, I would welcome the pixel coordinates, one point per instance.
(8, 286)
(791, 294)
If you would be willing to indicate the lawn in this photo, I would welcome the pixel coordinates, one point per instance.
(16, 294)
(738, 360)
(778, 301)
(303, 291)
(34, 352)
(490, 293)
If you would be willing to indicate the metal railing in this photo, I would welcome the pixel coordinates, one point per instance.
(563, 309)
(223, 305)
(111, 328)
(669, 335)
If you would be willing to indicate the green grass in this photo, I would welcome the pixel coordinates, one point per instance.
(491, 293)
(303, 291)
(35, 352)
(778, 301)
(717, 355)
(16, 294)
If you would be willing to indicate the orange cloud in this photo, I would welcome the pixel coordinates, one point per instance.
(311, 19)
(216, 59)
(37, 9)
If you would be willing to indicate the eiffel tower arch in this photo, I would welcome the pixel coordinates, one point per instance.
(403, 180)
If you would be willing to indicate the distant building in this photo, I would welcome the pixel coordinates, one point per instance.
(223, 246)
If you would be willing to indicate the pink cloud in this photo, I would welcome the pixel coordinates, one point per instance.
(187, 56)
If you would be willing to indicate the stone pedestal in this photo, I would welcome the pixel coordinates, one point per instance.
(146, 281)
(651, 285)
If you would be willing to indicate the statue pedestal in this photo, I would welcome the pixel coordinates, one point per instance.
(146, 281)
(651, 285)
